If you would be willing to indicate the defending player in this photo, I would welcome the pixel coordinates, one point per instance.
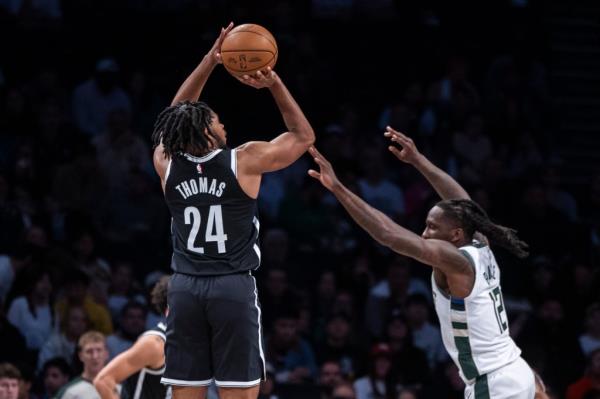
(465, 278)
(213, 326)
(140, 368)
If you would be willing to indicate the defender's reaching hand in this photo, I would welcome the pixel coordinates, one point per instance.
(408, 153)
(326, 174)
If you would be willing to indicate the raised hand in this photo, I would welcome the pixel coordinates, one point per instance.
(260, 79)
(408, 153)
(326, 174)
(215, 51)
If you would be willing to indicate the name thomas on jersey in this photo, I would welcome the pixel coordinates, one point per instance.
(201, 185)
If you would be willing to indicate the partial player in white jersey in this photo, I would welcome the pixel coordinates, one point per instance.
(465, 278)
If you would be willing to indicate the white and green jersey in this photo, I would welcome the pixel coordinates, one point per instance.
(475, 329)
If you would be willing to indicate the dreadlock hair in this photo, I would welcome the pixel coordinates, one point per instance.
(180, 128)
(472, 218)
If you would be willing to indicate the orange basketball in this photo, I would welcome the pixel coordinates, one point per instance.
(247, 49)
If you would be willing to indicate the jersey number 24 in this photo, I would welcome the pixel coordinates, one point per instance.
(214, 228)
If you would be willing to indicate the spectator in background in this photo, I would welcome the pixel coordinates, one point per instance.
(62, 344)
(426, 336)
(132, 324)
(590, 380)
(378, 384)
(55, 374)
(410, 365)
(32, 313)
(589, 341)
(76, 294)
(344, 391)
(10, 378)
(472, 146)
(391, 293)
(329, 377)
(93, 354)
(95, 98)
(121, 288)
(10, 265)
(448, 383)
(559, 198)
(9, 333)
(120, 151)
(338, 343)
(154, 316)
(276, 295)
(291, 357)
(407, 394)
(94, 266)
(376, 188)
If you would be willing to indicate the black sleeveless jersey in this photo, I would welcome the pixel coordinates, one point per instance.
(214, 223)
(145, 384)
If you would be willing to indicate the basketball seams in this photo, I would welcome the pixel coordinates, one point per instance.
(256, 33)
(248, 70)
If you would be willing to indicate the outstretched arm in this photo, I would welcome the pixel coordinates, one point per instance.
(287, 147)
(192, 87)
(442, 182)
(148, 351)
(436, 253)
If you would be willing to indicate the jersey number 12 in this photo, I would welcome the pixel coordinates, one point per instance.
(214, 228)
(499, 310)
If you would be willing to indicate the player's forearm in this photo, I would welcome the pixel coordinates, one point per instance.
(442, 182)
(293, 117)
(106, 388)
(192, 87)
(378, 225)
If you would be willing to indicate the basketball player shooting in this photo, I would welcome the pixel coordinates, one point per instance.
(465, 279)
(213, 325)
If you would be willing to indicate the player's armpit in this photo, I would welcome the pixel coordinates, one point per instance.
(257, 157)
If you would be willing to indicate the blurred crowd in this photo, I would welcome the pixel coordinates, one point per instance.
(84, 231)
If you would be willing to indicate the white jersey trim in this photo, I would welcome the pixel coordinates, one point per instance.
(168, 172)
(234, 162)
(237, 384)
(184, 383)
(204, 158)
(260, 339)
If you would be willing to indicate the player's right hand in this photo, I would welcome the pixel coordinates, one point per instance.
(325, 175)
(408, 153)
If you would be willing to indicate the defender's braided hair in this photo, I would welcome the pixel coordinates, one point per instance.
(473, 218)
(180, 128)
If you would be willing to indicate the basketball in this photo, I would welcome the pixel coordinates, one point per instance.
(247, 49)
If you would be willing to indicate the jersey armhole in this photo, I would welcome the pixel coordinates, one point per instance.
(168, 171)
(467, 255)
(234, 162)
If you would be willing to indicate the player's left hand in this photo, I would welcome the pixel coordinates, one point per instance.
(260, 79)
(326, 174)
(215, 51)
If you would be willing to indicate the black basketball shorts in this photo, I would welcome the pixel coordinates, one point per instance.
(214, 332)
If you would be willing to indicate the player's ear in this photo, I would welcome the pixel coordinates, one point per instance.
(457, 234)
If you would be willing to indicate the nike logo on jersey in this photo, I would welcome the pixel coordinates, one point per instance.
(201, 185)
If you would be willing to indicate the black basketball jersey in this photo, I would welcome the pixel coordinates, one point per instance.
(145, 384)
(214, 223)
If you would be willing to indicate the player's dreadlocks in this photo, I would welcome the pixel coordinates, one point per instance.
(180, 128)
(473, 218)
